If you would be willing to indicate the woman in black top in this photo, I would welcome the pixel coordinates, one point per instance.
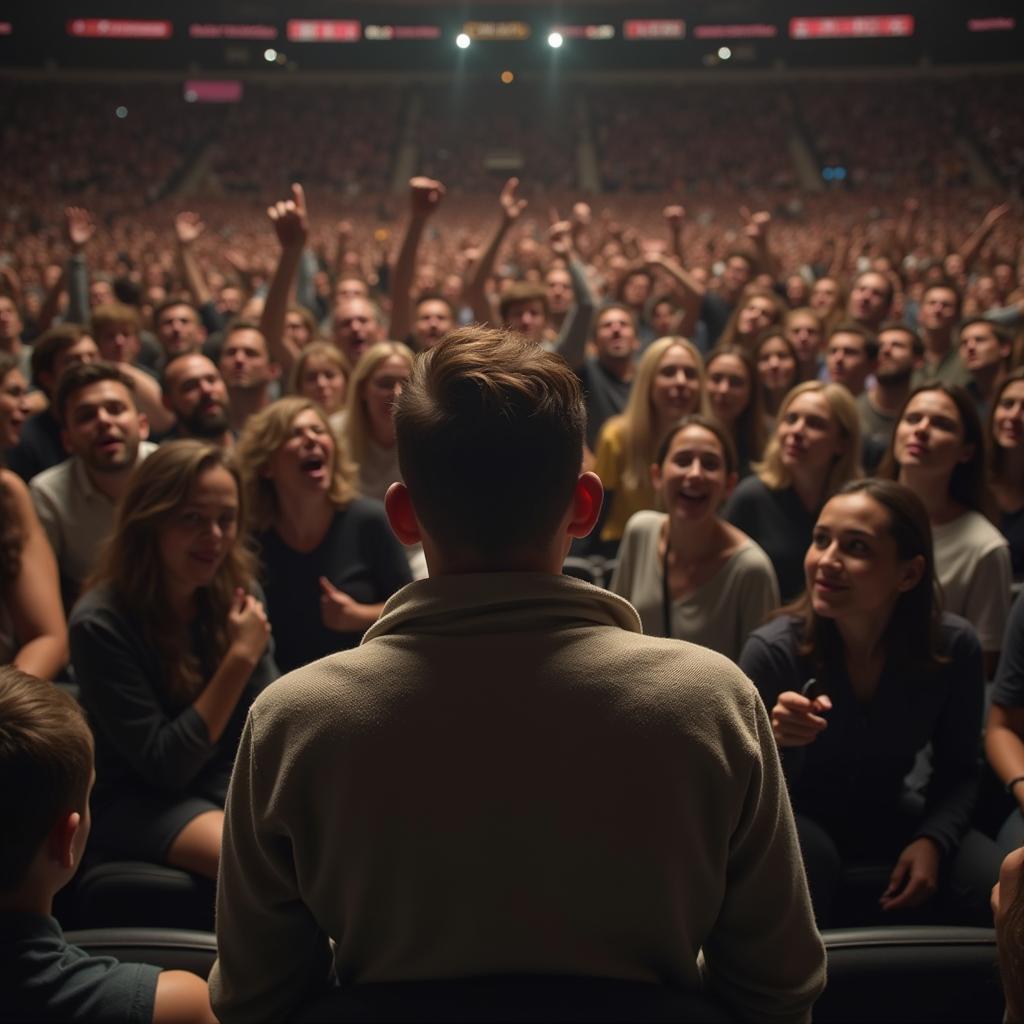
(814, 451)
(170, 648)
(858, 676)
(330, 560)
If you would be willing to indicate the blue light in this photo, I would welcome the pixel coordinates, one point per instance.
(827, 173)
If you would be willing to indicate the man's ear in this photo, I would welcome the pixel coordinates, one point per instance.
(655, 475)
(274, 370)
(401, 515)
(143, 426)
(587, 498)
(66, 441)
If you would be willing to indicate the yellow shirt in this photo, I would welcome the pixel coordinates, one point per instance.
(609, 466)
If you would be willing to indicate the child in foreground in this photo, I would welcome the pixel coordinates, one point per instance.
(46, 760)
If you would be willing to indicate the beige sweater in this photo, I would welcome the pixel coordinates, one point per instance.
(507, 777)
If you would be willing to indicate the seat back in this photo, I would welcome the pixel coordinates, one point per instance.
(911, 974)
(514, 998)
(169, 948)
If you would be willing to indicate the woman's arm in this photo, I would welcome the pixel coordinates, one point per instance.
(119, 674)
(35, 602)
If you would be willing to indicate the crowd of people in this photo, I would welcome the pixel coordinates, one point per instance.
(808, 421)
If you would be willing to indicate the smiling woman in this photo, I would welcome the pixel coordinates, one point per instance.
(170, 647)
(852, 702)
(938, 450)
(689, 574)
(813, 452)
(330, 560)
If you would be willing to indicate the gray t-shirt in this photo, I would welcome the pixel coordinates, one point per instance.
(44, 978)
(720, 614)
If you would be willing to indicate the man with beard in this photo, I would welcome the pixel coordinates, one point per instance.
(106, 436)
(900, 351)
(936, 319)
(194, 391)
(247, 370)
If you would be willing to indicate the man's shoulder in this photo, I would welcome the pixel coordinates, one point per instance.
(55, 482)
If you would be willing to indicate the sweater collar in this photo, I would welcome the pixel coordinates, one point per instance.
(500, 603)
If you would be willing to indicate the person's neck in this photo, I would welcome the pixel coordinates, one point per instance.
(889, 396)
(113, 485)
(810, 489)
(863, 648)
(772, 401)
(383, 436)
(937, 343)
(621, 368)
(693, 542)
(302, 520)
(243, 403)
(933, 490)
(181, 600)
(12, 345)
(28, 899)
(988, 380)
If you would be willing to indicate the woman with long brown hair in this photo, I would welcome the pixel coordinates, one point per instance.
(858, 675)
(170, 647)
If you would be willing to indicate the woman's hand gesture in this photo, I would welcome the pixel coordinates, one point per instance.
(796, 719)
(915, 878)
(248, 626)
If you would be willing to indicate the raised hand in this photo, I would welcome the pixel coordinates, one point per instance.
(511, 205)
(756, 224)
(248, 627)
(425, 195)
(340, 612)
(79, 227)
(290, 220)
(188, 227)
(560, 237)
(674, 215)
(995, 215)
(581, 214)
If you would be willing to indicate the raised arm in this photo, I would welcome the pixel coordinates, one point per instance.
(425, 195)
(35, 602)
(187, 229)
(674, 219)
(476, 289)
(291, 225)
(343, 242)
(572, 339)
(977, 238)
(79, 230)
(756, 228)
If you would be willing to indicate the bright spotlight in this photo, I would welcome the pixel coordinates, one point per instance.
(270, 55)
(462, 41)
(121, 112)
(724, 53)
(555, 40)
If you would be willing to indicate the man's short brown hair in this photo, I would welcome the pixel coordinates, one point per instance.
(53, 343)
(114, 314)
(77, 378)
(522, 291)
(46, 757)
(490, 435)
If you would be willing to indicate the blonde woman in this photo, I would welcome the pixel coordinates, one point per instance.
(814, 451)
(321, 374)
(330, 560)
(668, 385)
(367, 428)
(170, 647)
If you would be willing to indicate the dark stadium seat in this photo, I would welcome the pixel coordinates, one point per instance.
(170, 948)
(514, 998)
(136, 894)
(911, 974)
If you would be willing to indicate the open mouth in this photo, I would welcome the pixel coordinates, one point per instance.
(314, 466)
(827, 586)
